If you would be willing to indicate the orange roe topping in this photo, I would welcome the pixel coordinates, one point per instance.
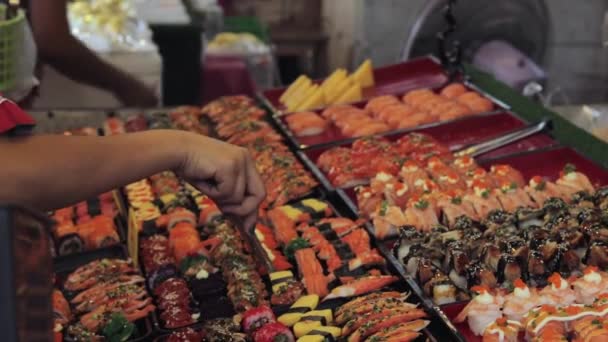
(500, 169)
(537, 179)
(573, 310)
(556, 280)
(519, 283)
(480, 289)
(548, 309)
(590, 269)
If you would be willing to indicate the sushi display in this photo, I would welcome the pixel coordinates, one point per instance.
(87, 225)
(524, 256)
(571, 309)
(388, 112)
(379, 316)
(563, 234)
(101, 300)
(238, 121)
(369, 156)
(332, 256)
(340, 87)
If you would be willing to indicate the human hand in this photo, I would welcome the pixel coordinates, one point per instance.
(133, 93)
(226, 173)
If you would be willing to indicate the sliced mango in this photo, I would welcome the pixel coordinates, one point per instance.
(333, 79)
(305, 96)
(353, 94)
(298, 94)
(316, 100)
(364, 75)
(292, 88)
(339, 90)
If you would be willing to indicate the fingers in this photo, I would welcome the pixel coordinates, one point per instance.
(255, 186)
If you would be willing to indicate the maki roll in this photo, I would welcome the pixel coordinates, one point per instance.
(322, 334)
(298, 309)
(67, 239)
(273, 332)
(256, 318)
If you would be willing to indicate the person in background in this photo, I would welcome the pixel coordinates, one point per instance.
(58, 48)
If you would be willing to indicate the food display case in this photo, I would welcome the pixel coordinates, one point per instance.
(416, 222)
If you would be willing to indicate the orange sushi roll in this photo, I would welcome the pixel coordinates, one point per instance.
(345, 115)
(184, 247)
(480, 105)
(372, 128)
(331, 111)
(374, 105)
(468, 96)
(102, 237)
(307, 125)
(431, 103)
(416, 119)
(453, 90)
(351, 127)
(412, 96)
(401, 109)
(442, 108)
(457, 111)
(296, 117)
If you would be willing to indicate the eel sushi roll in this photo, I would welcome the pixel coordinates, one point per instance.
(67, 239)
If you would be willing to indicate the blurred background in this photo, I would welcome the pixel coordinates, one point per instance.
(181, 48)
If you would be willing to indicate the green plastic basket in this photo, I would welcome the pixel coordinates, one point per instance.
(11, 40)
(245, 24)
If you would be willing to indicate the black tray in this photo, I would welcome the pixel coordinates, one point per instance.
(145, 327)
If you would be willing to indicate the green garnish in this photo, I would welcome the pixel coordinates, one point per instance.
(118, 328)
(294, 245)
(191, 261)
(457, 200)
(383, 208)
(569, 168)
(422, 204)
(485, 194)
(541, 185)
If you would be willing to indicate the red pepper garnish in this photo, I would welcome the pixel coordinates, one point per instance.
(590, 269)
(572, 310)
(480, 289)
(555, 279)
(548, 308)
(518, 283)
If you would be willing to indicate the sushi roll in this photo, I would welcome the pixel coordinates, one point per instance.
(303, 305)
(254, 319)
(273, 332)
(321, 334)
(503, 330)
(305, 124)
(67, 239)
(482, 311)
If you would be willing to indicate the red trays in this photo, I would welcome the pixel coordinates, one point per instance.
(423, 72)
(461, 133)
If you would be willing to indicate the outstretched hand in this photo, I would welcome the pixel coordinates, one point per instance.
(227, 174)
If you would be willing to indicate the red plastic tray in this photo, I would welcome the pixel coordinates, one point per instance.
(459, 134)
(424, 72)
(451, 311)
(553, 160)
(550, 162)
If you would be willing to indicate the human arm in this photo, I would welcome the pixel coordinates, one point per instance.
(68, 55)
(51, 171)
